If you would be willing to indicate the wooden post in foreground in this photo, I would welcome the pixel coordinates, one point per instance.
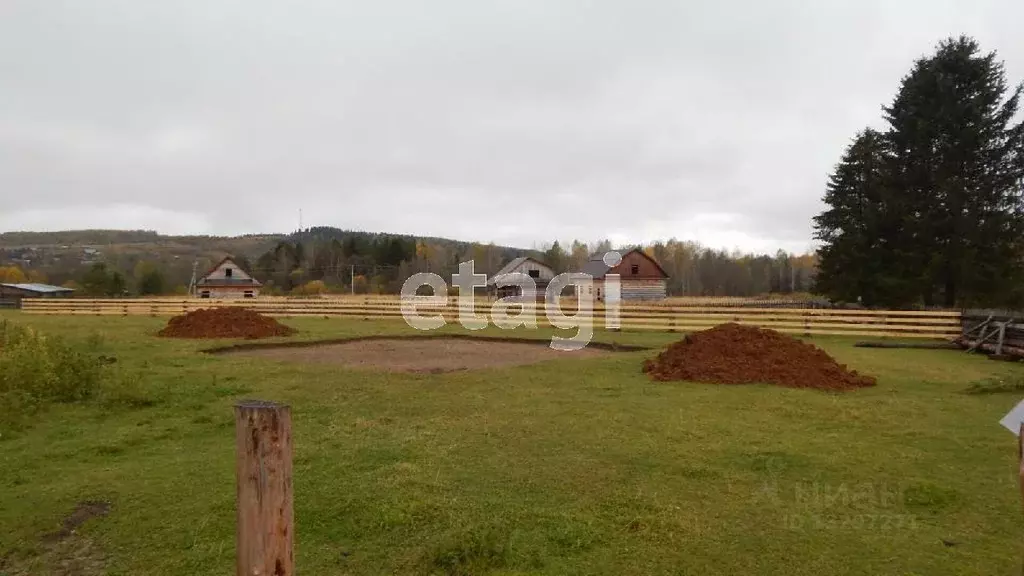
(263, 467)
(1020, 456)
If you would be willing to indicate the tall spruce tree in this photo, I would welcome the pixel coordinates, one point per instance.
(850, 229)
(949, 208)
(958, 162)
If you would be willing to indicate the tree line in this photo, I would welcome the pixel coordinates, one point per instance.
(326, 259)
(928, 211)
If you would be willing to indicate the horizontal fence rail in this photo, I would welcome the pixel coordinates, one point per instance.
(807, 321)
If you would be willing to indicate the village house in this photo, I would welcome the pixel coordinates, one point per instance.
(640, 276)
(227, 280)
(539, 271)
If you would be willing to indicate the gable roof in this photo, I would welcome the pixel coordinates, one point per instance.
(203, 279)
(218, 264)
(597, 268)
(651, 258)
(512, 265)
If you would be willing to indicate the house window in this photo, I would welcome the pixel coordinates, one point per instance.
(534, 273)
(227, 272)
(204, 294)
(247, 294)
(634, 269)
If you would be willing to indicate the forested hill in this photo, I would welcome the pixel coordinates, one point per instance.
(60, 257)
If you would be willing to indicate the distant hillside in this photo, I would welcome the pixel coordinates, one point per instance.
(67, 255)
(100, 238)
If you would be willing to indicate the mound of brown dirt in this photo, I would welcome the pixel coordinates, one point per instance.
(226, 322)
(736, 354)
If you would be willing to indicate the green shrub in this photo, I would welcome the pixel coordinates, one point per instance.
(1005, 385)
(36, 370)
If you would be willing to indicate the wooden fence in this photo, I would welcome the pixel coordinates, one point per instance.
(808, 321)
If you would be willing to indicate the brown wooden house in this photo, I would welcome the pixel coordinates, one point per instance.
(640, 276)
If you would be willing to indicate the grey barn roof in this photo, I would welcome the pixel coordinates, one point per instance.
(40, 288)
(596, 266)
(512, 265)
(507, 268)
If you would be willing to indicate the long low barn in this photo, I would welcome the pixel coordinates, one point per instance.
(13, 293)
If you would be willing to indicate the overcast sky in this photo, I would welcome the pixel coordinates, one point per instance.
(513, 121)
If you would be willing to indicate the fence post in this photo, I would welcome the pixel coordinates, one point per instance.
(1020, 459)
(263, 466)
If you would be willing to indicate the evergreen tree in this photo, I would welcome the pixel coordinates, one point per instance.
(850, 229)
(556, 258)
(150, 282)
(96, 281)
(116, 284)
(932, 212)
(958, 163)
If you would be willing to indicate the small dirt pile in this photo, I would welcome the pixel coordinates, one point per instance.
(227, 322)
(736, 354)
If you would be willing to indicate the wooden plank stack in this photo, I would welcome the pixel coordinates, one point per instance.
(996, 332)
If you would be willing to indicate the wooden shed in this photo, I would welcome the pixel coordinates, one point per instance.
(640, 276)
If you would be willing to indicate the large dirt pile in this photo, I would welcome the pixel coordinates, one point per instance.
(228, 322)
(735, 354)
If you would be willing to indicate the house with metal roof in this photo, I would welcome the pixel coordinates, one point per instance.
(640, 276)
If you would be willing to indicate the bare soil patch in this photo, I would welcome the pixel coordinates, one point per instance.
(82, 512)
(433, 355)
(737, 354)
(64, 552)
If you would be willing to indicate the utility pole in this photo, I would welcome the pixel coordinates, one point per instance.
(192, 282)
(352, 278)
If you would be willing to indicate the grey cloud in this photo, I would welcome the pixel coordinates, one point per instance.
(517, 122)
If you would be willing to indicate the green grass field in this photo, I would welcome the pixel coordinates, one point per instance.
(565, 467)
